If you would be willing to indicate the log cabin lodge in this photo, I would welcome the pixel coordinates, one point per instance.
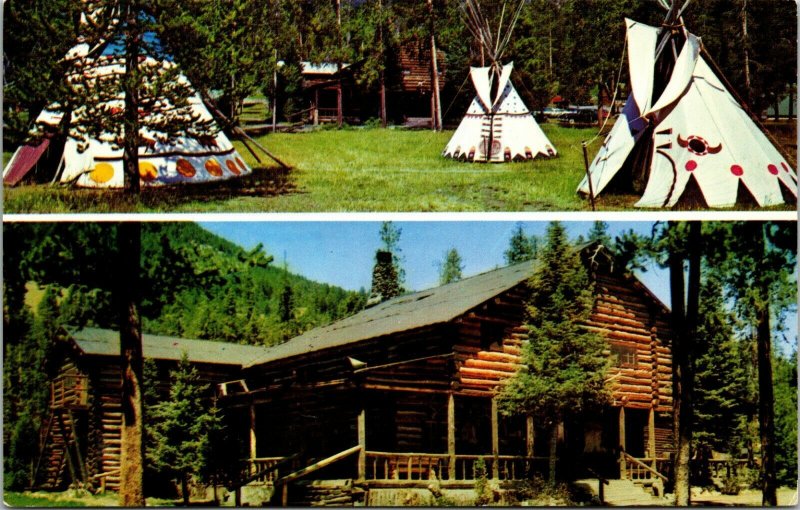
(396, 395)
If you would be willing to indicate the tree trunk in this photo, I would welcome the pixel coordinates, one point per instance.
(131, 492)
(436, 107)
(745, 45)
(339, 99)
(766, 399)
(130, 158)
(185, 488)
(552, 458)
(382, 73)
(679, 376)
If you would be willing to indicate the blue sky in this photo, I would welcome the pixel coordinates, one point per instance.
(342, 252)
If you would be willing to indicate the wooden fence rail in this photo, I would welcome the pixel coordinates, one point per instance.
(436, 466)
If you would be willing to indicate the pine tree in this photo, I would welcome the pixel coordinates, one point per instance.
(599, 232)
(181, 426)
(786, 419)
(565, 367)
(722, 397)
(520, 247)
(450, 269)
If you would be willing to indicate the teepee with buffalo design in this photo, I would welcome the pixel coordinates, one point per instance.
(683, 136)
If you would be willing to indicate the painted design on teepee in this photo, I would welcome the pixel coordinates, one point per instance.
(164, 160)
(716, 144)
(497, 128)
(698, 145)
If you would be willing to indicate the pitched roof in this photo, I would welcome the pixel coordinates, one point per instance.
(404, 313)
(105, 342)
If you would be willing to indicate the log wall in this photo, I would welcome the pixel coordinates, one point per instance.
(414, 60)
(628, 318)
(103, 432)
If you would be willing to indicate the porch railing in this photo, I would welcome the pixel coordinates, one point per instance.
(430, 466)
(644, 469)
(69, 391)
(259, 472)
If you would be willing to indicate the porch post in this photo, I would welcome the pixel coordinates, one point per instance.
(252, 431)
(622, 473)
(361, 425)
(651, 436)
(529, 435)
(495, 442)
(315, 112)
(529, 442)
(451, 436)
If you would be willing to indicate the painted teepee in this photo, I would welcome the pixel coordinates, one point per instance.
(497, 126)
(201, 153)
(682, 137)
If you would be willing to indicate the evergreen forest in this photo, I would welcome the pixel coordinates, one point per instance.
(239, 49)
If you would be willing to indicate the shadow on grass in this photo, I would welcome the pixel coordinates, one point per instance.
(262, 182)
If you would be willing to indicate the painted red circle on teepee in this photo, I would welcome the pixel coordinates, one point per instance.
(772, 169)
(185, 168)
(737, 170)
(691, 165)
(232, 167)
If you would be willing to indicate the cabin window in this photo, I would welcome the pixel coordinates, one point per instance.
(491, 335)
(625, 355)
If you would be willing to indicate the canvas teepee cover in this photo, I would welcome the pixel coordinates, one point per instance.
(97, 162)
(692, 140)
(499, 128)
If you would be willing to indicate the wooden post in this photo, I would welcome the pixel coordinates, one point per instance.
(315, 111)
(622, 473)
(651, 435)
(588, 175)
(253, 431)
(361, 427)
(530, 439)
(451, 436)
(436, 113)
(495, 442)
(275, 94)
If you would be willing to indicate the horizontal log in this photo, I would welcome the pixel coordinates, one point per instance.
(479, 373)
(469, 349)
(620, 335)
(630, 388)
(480, 383)
(492, 365)
(407, 389)
(498, 356)
(607, 316)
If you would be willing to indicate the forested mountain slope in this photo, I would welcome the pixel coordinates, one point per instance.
(195, 284)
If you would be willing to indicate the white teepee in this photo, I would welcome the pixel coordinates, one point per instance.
(684, 136)
(97, 161)
(497, 127)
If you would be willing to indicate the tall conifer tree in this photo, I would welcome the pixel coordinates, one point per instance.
(565, 367)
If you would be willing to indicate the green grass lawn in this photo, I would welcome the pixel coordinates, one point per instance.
(356, 170)
(57, 499)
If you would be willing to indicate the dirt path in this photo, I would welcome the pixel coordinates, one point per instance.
(786, 497)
